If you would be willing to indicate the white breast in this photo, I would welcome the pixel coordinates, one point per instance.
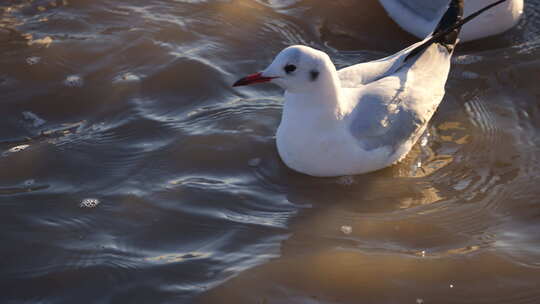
(311, 148)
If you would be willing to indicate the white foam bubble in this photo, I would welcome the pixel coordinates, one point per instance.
(127, 77)
(467, 59)
(33, 60)
(346, 229)
(74, 81)
(89, 203)
(18, 148)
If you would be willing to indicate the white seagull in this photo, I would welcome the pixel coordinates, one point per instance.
(419, 17)
(364, 117)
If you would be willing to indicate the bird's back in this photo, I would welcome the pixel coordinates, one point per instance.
(391, 100)
(393, 110)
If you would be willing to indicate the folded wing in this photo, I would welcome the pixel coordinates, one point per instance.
(396, 108)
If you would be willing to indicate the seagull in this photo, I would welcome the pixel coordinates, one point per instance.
(364, 117)
(419, 17)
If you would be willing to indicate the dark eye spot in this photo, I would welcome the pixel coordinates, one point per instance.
(289, 68)
(314, 75)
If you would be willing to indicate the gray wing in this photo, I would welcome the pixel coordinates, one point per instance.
(393, 110)
(384, 120)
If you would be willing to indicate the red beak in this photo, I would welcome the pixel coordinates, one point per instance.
(251, 79)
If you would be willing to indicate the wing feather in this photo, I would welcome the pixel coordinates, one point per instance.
(355, 76)
(393, 109)
(390, 120)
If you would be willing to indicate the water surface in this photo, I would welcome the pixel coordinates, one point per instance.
(131, 171)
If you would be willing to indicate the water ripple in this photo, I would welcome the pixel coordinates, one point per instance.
(130, 104)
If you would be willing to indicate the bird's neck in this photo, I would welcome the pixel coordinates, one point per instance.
(321, 104)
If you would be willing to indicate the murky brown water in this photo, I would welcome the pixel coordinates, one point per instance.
(131, 171)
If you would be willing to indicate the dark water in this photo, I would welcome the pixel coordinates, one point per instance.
(131, 171)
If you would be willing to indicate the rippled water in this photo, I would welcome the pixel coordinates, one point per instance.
(131, 171)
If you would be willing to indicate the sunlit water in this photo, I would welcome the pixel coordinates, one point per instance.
(131, 171)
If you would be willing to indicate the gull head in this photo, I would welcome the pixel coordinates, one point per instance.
(297, 69)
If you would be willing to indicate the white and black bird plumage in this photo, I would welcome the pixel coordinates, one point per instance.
(366, 116)
(418, 17)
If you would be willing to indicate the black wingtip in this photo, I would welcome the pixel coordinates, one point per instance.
(443, 29)
(453, 15)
